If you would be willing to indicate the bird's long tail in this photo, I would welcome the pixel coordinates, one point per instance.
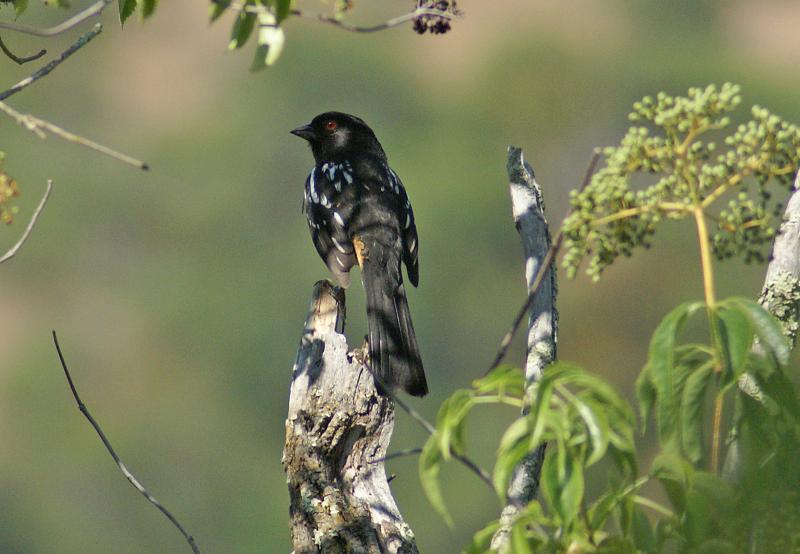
(393, 349)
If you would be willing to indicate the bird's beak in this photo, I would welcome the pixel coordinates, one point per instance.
(304, 132)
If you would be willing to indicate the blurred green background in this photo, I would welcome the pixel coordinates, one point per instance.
(179, 295)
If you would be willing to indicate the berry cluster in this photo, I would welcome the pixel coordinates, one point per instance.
(621, 207)
(435, 24)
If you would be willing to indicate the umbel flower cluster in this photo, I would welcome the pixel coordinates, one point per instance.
(677, 161)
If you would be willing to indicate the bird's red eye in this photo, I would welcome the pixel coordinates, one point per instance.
(331, 125)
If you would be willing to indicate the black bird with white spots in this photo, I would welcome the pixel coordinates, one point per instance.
(359, 214)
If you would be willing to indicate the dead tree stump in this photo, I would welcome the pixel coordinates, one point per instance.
(337, 433)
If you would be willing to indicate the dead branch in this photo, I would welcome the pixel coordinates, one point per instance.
(537, 281)
(46, 69)
(527, 205)
(122, 467)
(40, 126)
(338, 430)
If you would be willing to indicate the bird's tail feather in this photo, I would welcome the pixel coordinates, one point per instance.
(393, 349)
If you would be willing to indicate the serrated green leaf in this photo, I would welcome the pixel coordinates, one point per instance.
(242, 29)
(736, 338)
(666, 377)
(126, 9)
(692, 405)
(767, 328)
(430, 463)
(217, 8)
(504, 379)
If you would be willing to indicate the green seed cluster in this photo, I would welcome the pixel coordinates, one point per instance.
(662, 169)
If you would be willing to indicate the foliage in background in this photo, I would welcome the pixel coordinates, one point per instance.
(585, 421)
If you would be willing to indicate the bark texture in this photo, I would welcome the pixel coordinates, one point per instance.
(528, 209)
(337, 433)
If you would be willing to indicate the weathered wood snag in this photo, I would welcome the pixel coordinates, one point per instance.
(337, 433)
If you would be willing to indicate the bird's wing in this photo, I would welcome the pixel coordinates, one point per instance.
(326, 232)
(408, 230)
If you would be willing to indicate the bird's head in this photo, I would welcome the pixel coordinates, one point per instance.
(339, 136)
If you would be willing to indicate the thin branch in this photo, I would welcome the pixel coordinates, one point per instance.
(537, 282)
(429, 427)
(128, 475)
(394, 22)
(330, 20)
(81, 42)
(398, 454)
(14, 249)
(20, 59)
(39, 126)
(74, 21)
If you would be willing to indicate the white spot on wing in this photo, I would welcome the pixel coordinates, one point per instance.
(408, 220)
(338, 246)
(338, 218)
(348, 177)
(312, 185)
(413, 245)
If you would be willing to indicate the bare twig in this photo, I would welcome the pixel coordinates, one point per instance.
(394, 22)
(431, 429)
(537, 282)
(330, 20)
(39, 126)
(20, 59)
(399, 454)
(14, 249)
(74, 21)
(128, 475)
(80, 43)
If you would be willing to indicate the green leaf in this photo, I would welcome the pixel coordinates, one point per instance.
(596, 425)
(20, 6)
(504, 379)
(675, 475)
(430, 463)
(666, 377)
(126, 9)
(514, 446)
(563, 487)
(646, 396)
(217, 8)
(148, 7)
(282, 9)
(449, 422)
(736, 339)
(519, 542)
(767, 328)
(692, 404)
(270, 42)
(482, 539)
(643, 537)
(242, 29)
